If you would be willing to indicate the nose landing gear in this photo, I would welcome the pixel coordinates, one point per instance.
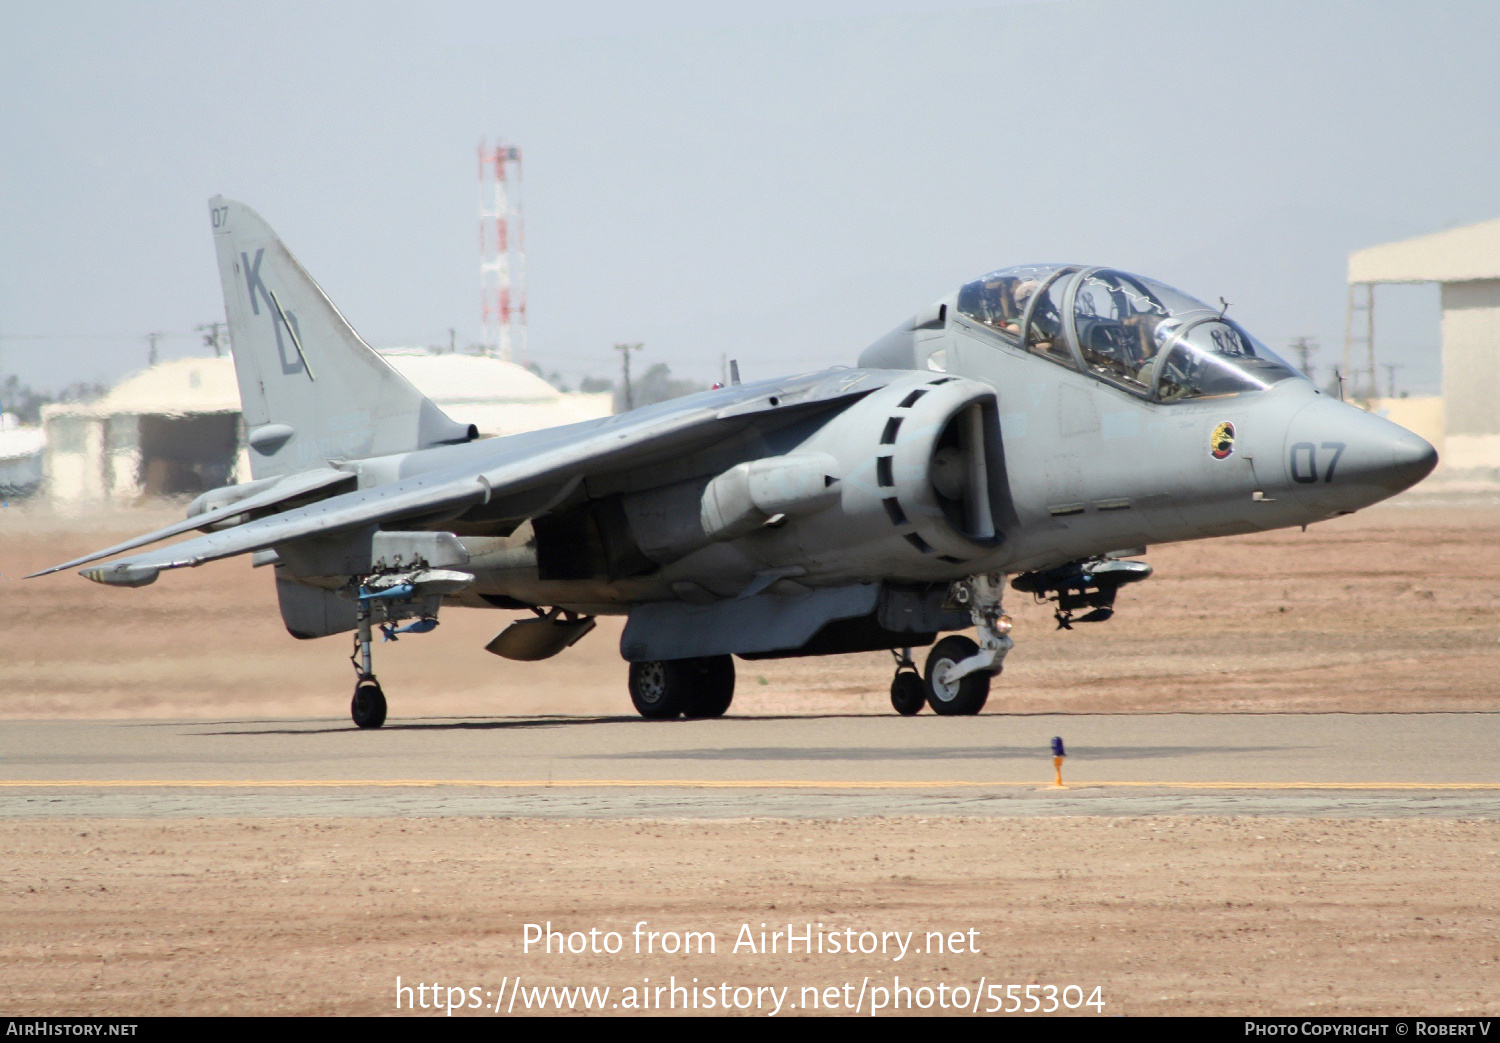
(958, 670)
(957, 679)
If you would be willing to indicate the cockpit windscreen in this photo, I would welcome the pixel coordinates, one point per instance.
(1135, 333)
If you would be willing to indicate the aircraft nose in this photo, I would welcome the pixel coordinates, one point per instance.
(1341, 449)
(1413, 459)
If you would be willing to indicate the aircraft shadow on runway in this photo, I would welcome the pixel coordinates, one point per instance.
(883, 753)
(500, 723)
(483, 724)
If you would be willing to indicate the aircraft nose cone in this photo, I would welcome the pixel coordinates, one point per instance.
(1413, 459)
(1384, 454)
(1342, 451)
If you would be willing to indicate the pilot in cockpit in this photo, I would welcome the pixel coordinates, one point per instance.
(1014, 295)
(1145, 344)
(1120, 328)
(999, 302)
(1138, 334)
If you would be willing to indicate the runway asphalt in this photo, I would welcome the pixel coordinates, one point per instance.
(817, 766)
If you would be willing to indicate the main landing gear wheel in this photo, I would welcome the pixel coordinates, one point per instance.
(368, 705)
(711, 685)
(655, 691)
(967, 695)
(664, 689)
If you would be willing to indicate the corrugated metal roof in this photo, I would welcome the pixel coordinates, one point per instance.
(500, 398)
(17, 443)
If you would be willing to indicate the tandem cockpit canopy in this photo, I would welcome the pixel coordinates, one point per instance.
(1134, 333)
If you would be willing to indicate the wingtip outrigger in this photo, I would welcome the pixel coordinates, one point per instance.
(122, 574)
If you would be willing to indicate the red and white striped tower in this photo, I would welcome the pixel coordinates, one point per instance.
(502, 251)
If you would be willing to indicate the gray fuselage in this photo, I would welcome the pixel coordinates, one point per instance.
(1073, 466)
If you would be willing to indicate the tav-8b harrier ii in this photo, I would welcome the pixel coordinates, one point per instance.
(1046, 422)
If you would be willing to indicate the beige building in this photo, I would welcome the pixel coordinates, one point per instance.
(1466, 261)
(175, 429)
(21, 452)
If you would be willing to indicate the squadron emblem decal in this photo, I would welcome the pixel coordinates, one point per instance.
(1221, 442)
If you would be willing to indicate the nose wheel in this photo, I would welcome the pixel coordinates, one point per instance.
(950, 695)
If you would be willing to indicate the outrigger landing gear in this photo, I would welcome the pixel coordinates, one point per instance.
(958, 670)
(368, 705)
(409, 578)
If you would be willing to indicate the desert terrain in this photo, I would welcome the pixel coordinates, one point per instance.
(1395, 610)
(1168, 915)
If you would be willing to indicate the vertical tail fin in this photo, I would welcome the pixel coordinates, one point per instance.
(311, 390)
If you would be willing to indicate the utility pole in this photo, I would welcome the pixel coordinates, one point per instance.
(213, 336)
(151, 339)
(625, 350)
(452, 340)
(1306, 348)
(1390, 376)
(1359, 332)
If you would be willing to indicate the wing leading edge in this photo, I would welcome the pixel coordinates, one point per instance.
(289, 488)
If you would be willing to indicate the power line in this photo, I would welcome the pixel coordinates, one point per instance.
(1306, 348)
(1390, 370)
(89, 336)
(213, 336)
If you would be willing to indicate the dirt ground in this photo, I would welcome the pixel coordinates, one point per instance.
(1166, 915)
(1395, 608)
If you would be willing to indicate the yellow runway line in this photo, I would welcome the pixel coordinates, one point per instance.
(802, 784)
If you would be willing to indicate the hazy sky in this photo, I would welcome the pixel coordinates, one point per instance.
(775, 186)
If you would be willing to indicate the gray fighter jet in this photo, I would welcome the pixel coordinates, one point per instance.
(1045, 422)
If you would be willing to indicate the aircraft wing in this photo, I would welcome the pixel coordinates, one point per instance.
(289, 488)
(517, 476)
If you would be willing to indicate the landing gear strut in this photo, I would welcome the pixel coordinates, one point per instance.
(958, 670)
(407, 580)
(368, 706)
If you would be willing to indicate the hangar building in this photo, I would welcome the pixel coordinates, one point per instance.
(21, 450)
(175, 428)
(1466, 261)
